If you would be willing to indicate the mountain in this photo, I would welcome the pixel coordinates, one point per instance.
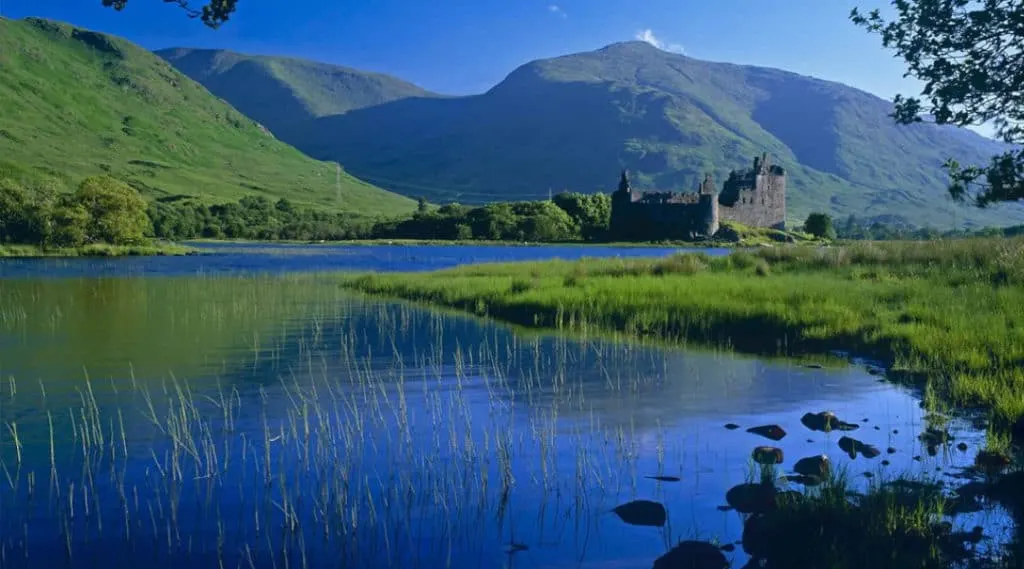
(279, 92)
(75, 102)
(572, 122)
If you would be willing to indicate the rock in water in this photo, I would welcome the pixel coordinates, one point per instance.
(852, 447)
(692, 555)
(768, 455)
(660, 478)
(773, 432)
(825, 422)
(818, 466)
(751, 498)
(731, 426)
(642, 513)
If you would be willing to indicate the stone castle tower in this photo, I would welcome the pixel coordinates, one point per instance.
(754, 197)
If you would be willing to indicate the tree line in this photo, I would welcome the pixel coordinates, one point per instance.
(105, 210)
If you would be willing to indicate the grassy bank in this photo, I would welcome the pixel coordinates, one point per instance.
(947, 312)
(96, 250)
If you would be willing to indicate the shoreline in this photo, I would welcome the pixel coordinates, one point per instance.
(96, 250)
(909, 314)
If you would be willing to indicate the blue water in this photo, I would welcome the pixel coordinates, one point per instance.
(236, 258)
(328, 430)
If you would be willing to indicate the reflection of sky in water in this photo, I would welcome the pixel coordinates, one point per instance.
(606, 410)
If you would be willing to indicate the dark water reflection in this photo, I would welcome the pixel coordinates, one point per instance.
(297, 424)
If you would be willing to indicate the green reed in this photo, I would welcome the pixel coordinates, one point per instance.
(950, 311)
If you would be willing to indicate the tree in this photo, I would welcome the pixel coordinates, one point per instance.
(820, 226)
(213, 14)
(968, 53)
(117, 213)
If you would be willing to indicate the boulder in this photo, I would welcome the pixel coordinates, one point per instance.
(767, 455)
(642, 513)
(991, 462)
(773, 432)
(826, 421)
(818, 466)
(853, 447)
(692, 555)
(751, 498)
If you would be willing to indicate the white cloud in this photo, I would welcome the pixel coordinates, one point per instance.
(557, 10)
(648, 36)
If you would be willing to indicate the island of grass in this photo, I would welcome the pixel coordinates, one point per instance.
(946, 313)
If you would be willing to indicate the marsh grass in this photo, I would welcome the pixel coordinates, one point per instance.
(949, 311)
(98, 250)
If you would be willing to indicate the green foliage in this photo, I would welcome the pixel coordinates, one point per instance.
(968, 56)
(820, 226)
(75, 103)
(668, 119)
(115, 211)
(592, 212)
(902, 302)
(213, 14)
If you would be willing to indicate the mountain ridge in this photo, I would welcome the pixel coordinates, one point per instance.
(278, 91)
(666, 117)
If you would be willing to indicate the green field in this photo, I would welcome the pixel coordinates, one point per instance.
(75, 103)
(945, 314)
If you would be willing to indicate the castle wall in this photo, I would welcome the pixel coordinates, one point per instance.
(635, 219)
(761, 206)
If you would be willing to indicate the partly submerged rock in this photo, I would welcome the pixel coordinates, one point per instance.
(818, 466)
(767, 455)
(642, 513)
(853, 447)
(692, 555)
(751, 498)
(661, 478)
(731, 426)
(773, 432)
(826, 421)
(934, 437)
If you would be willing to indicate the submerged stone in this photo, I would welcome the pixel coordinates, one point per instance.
(852, 447)
(692, 555)
(751, 498)
(826, 421)
(773, 432)
(642, 513)
(731, 426)
(818, 466)
(962, 447)
(660, 478)
(767, 455)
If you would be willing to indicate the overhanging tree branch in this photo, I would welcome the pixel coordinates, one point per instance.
(213, 14)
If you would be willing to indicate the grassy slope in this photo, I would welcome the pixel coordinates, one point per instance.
(75, 103)
(571, 122)
(277, 92)
(941, 308)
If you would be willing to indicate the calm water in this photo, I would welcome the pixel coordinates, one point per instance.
(237, 410)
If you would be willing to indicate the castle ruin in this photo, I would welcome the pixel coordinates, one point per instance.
(755, 197)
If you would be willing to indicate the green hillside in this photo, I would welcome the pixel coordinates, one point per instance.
(572, 122)
(279, 92)
(75, 103)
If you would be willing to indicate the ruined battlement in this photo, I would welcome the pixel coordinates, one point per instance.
(754, 197)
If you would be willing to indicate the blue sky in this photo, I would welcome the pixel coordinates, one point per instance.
(467, 46)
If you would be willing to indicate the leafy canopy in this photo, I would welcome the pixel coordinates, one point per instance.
(820, 226)
(970, 56)
(213, 14)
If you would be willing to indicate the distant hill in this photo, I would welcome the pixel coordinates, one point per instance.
(572, 122)
(75, 102)
(279, 92)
